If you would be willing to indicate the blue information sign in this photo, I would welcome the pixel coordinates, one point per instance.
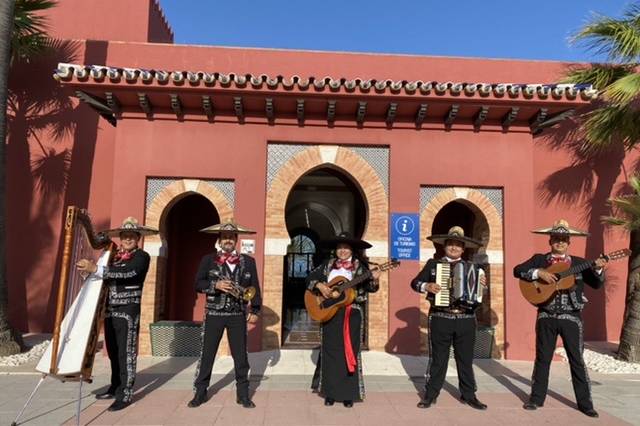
(405, 236)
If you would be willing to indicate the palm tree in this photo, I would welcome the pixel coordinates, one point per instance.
(22, 37)
(614, 122)
(627, 208)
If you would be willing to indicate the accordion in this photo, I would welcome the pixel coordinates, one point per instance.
(459, 285)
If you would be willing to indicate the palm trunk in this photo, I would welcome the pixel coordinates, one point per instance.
(629, 349)
(10, 341)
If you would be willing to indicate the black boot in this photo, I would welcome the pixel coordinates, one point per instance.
(198, 399)
(427, 402)
(474, 403)
(108, 394)
(530, 405)
(347, 403)
(329, 401)
(246, 402)
(590, 412)
(118, 405)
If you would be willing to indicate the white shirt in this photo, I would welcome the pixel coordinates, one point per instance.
(341, 272)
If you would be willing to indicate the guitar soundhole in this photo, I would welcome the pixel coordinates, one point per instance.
(330, 302)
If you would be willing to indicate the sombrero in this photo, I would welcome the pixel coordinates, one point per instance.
(346, 238)
(131, 224)
(455, 233)
(228, 226)
(561, 227)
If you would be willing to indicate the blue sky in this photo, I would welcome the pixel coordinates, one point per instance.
(536, 29)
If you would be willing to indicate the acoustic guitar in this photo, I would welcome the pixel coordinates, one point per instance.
(321, 309)
(539, 292)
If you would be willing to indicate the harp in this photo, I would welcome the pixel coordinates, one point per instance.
(80, 303)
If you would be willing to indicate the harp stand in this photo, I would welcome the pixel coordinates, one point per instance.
(44, 376)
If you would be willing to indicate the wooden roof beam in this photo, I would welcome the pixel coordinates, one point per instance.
(300, 111)
(176, 105)
(480, 117)
(269, 109)
(392, 111)
(207, 106)
(145, 104)
(361, 112)
(451, 115)
(538, 119)
(331, 111)
(510, 117)
(113, 102)
(421, 114)
(238, 108)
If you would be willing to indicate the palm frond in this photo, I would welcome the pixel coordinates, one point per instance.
(614, 221)
(598, 75)
(609, 125)
(624, 90)
(29, 37)
(619, 39)
(626, 208)
(634, 183)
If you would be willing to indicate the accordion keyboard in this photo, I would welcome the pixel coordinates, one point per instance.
(443, 279)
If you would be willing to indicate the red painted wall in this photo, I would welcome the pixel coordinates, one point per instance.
(105, 168)
(119, 20)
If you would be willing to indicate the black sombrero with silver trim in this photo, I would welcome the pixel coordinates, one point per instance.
(228, 226)
(561, 227)
(131, 224)
(455, 233)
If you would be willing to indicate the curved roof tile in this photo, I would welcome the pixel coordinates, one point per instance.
(528, 91)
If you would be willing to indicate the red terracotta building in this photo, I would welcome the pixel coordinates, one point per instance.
(297, 145)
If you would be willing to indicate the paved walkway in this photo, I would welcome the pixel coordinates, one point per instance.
(281, 379)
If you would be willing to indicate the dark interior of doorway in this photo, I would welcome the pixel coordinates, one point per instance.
(186, 246)
(475, 226)
(321, 204)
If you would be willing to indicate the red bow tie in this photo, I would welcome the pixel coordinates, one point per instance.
(228, 258)
(346, 264)
(123, 255)
(558, 259)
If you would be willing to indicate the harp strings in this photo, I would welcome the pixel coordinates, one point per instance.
(81, 250)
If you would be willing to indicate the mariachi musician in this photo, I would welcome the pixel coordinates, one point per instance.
(340, 362)
(124, 278)
(454, 323)
(561, 315)
(230, 282)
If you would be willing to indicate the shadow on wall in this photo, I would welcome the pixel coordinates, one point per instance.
(587, 183)
(403, 340)
(50, 148)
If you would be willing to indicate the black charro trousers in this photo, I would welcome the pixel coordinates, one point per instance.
(212, 330)
(446, 330)
(569, 327)
(121, 328)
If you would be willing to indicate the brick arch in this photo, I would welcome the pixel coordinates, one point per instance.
(155, 216)
(479, 204)
(276, 237)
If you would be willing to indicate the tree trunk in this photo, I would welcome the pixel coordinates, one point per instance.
(629, 349)
(10, 340)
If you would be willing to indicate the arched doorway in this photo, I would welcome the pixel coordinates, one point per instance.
(322, 203)
(186, 246)
(475, 225)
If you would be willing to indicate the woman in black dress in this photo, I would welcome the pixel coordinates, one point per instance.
(340, 361)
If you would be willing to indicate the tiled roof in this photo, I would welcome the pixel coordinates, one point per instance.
(98, 74)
